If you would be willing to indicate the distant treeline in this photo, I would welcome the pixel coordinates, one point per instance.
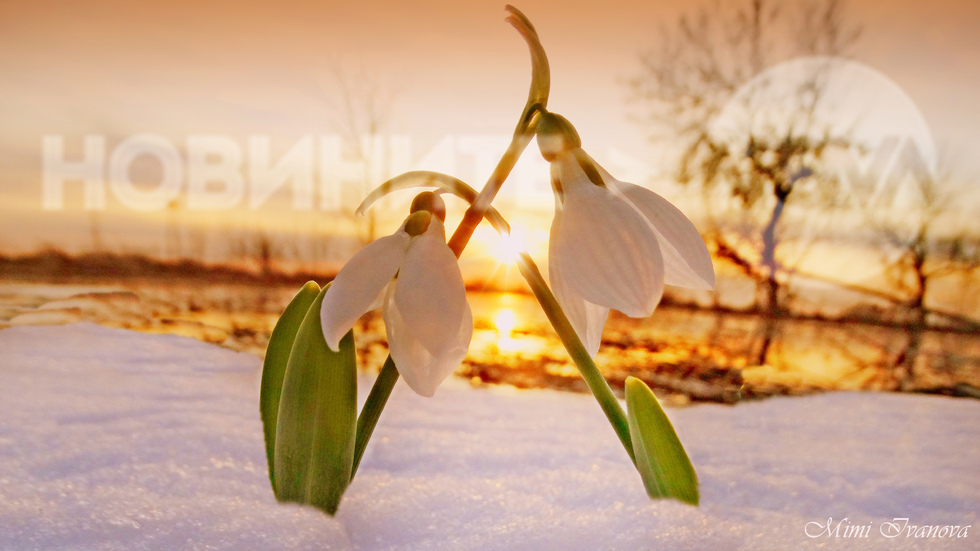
(57, 266)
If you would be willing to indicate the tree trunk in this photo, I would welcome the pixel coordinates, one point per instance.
(772, 310)
(905, 365)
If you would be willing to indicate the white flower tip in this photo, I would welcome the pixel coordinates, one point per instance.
(333, 345)
(704, 270)
(331, 333)
(642, 309)
(710, 280)
(700, 277)
(425, 391)
(698, 259)
(424, 372)
(592, 344)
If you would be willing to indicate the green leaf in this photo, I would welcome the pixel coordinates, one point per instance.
(274, 367)
(660, 457)
(317, 418)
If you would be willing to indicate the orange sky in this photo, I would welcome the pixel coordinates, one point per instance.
(117, 67)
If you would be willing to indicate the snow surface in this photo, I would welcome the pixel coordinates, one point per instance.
(111, 439)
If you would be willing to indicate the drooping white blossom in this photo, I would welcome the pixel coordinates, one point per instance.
(613, 244)
(417, 281)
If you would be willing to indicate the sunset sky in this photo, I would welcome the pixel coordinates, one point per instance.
(451, 69)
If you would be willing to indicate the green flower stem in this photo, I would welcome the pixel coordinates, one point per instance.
(375, 403)
(576, 350)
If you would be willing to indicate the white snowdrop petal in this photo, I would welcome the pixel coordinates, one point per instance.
(606, 251)
(410, 357)
(687, 262)
(595, 321)
(359, 283)
(429, 291)
(448, 360)
(422, 369)
(586, 318)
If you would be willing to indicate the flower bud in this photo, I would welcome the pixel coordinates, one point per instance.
(417, 222)
(556, 135)
(431, 202)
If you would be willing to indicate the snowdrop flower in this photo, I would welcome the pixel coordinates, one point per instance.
(613, 244)
(414, 275)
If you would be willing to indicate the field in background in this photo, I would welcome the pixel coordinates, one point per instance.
(687, 352)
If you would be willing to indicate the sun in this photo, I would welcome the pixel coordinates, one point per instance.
(507, 248)
(498, 256)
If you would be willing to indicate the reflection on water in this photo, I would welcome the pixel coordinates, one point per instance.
(705, 354)
(696, 353)
(504, 321)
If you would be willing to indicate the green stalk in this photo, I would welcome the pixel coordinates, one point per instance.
(576, 350)
(375, 403)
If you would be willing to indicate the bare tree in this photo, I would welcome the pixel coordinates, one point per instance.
(921, 248)
(363, 115)
(697, 75)
(259, 248)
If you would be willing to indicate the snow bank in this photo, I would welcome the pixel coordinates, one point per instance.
(111, 439)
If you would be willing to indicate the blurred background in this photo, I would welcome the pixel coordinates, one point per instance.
(184, 166)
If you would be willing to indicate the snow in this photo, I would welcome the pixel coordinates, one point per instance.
(112, 439)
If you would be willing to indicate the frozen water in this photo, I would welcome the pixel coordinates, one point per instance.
(112, 439)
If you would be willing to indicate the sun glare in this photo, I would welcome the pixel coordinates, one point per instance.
(507, 248)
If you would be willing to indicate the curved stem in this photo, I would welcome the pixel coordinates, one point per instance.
(576, 350)
(478, 209)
